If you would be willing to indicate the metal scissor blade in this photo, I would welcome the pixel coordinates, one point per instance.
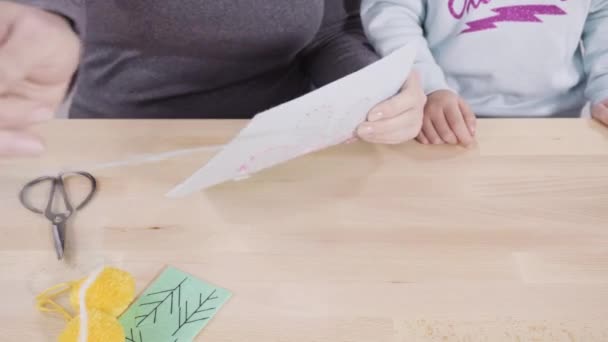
(59, 238)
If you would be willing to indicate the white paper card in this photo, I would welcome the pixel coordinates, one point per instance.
(323, 118)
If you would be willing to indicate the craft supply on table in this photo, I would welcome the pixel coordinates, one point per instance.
(174, 308)
(58, 191)
(325, 117)
(98, 300)
(320, 119)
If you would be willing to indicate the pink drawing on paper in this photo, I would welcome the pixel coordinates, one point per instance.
(308, 136)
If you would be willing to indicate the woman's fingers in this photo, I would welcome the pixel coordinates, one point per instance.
(409, 98)
(16, 112)
(394, 130)
(14, 143)
(397, 119)
(351, 141)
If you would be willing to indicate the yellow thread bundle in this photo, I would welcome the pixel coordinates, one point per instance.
(101, 328)
(112, 292)
(107, 297)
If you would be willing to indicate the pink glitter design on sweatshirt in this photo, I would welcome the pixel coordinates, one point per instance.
(523, 13)
(467, 6)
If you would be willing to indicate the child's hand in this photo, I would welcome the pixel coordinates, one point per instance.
(600, 112)
(447, 119)
(397, 119)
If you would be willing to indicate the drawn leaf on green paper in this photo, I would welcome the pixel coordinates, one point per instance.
(157, 299)
(133, 337)
(198, 315)
(174, 308)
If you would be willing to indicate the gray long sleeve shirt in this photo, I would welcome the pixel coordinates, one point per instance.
(207, 59)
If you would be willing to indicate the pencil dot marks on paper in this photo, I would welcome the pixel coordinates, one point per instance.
(304, 138)
(270, 156)
(339, 127)
(313, 125)
(311, 120)
(310, 134)
(265, 158)
(326, 126)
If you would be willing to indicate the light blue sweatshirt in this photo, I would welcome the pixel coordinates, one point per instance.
(504, 57)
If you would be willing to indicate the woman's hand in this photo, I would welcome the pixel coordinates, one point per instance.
(397, 119)
(600, 112)
(39, 54)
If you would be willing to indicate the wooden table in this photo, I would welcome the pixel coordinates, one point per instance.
(507, 241)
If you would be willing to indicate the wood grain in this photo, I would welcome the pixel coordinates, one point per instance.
(507, 241)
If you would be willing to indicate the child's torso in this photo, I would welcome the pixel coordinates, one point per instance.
(525, 52)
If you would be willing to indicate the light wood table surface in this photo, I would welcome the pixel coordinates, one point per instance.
(507, 241)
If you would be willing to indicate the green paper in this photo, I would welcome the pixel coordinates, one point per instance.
(174, 308)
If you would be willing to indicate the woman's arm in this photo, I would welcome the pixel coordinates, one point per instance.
(340, 47)
(72, 10)
(33, 76)
(391, 24)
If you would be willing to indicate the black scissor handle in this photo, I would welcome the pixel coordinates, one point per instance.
(27, 187)
(91, 179)
(57, 183)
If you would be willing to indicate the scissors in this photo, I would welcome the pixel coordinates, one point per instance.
(58, 218)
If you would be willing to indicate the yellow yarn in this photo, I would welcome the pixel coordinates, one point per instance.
(111, 292)
(45, 302)
(108, 296)
(101, 328)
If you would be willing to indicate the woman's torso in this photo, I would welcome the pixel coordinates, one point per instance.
(193, 58)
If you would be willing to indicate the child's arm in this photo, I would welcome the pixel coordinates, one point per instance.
(595, 41)
(391, 24)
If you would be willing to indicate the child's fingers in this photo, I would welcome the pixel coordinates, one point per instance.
(16, 143)
(429, 131)
(600, 112)
(469, 117)
(423, 139)
(459, 127)
(443, 129)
